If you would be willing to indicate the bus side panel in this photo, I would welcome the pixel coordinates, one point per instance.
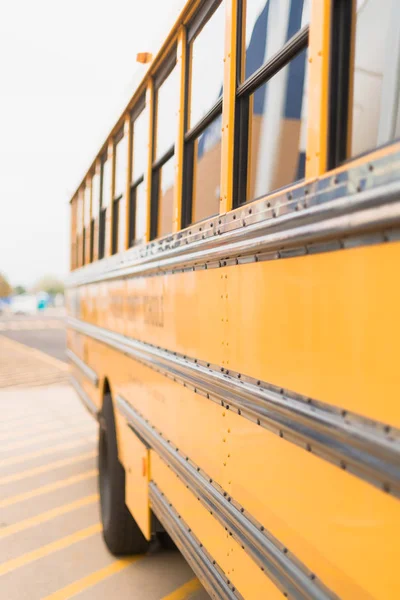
(238, 567)
(298, 497)
(323, 325)
(181, 312)
(334, 522)
(135, 457)
(172, 409)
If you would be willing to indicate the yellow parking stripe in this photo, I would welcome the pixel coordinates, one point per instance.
(21, 561)
(20, 418)
(57, 464)
(44, 438)
(90, 580)
(62, 366)
(185, 591)
(15, 460)
(50, 487)
(47, 516)
(12, 434)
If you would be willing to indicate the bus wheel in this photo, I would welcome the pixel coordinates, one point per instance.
(120, 531)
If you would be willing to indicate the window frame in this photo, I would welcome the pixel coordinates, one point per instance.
(115, 200)
(245, 89)
(102, 210)
(162, 74)
(341, 59)
(138, 110)
(343, 36)
(199, 20)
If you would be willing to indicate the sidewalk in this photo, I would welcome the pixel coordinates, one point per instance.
(21, 366)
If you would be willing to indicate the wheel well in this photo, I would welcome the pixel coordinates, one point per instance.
(106, 392)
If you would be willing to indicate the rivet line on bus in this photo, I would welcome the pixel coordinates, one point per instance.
(302, 207)
(363, 447)
(268, 552)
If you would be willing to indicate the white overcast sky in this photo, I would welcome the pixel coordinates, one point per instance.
(67, 69)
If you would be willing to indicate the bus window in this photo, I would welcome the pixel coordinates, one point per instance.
(166, 103)
(273, 109)
(166, 197)
(137, 211)
(376, 74)
(95, 212)
(203, 138)
(79, 229)
(268, 25)
(207, 55)
(118, 206)
(207, 172)
(86, 224)
(166, 119)
(73, 234)
(104, 202)
(277, 122)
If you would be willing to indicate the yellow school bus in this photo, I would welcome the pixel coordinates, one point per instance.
(234, 300)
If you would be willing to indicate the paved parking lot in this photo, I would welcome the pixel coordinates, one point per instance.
(51, 543)
(45, 331)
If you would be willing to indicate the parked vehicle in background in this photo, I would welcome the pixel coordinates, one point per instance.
(42, 300)
(25, 304)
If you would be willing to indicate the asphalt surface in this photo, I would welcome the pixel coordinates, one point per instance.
(45, 332)
(51, 545)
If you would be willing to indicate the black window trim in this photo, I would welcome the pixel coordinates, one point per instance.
(205, 11)
(204, 122)
(164, 71)
(83, 245)
(118, 136)
(103, 160)
(132, 209)
(276, 63)
(339, 79)
(92, 229)
(138, 108)
(115, 223)
(162, 74)
(102, 232)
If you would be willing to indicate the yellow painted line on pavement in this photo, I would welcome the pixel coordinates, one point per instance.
(47, 515)
(15, 460)
(59, 364)
(50, 487)
(57, 464)
(17, 418)
(29, 557)
(12, 434)
(90, 580)
(44, 438)
(185, 591)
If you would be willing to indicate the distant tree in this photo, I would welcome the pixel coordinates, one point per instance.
(50, 284)
(19, 289)
(5, 287)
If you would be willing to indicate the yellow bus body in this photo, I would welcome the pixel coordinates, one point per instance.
(252, 359)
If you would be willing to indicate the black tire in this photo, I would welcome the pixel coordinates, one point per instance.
(166, 541)
(120, 531)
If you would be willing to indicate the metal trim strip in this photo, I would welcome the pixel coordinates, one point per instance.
(300, 218)
(194, 552)
(84, 368)
(86, 401)
(368, 449)
(287, 572)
